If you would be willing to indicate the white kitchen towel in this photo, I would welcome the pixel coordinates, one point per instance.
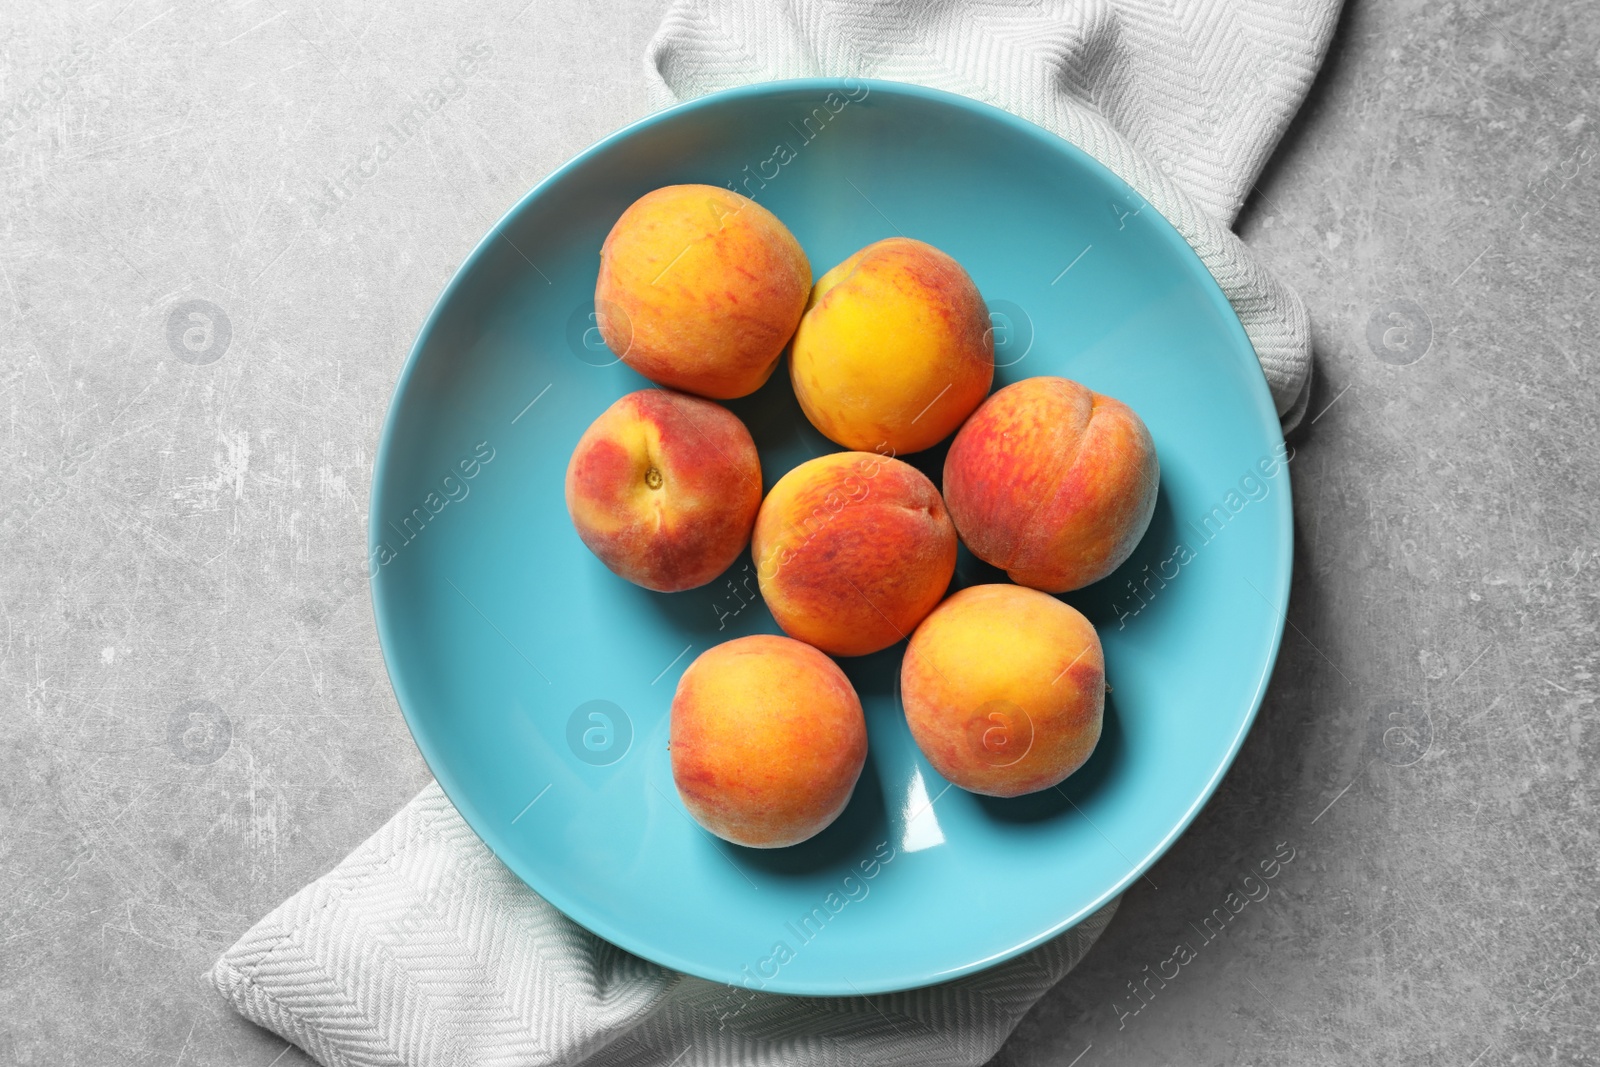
(421, 949)
(1183, 99)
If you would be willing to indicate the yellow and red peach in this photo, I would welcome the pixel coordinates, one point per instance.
(767, 740)
(700, 289)
(895, 349)
(852, 549)
(664, 488)
(1004, 689)
(1052, 483)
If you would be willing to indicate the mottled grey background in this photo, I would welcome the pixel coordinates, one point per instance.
(197, 720)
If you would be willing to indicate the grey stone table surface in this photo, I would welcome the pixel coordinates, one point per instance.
(196, 715)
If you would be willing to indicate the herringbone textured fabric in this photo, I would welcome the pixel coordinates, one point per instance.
(421, 949)
(1182, 99)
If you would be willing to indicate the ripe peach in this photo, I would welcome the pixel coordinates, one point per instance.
(852, 549)
(700, 289)
(767, 740)
(1052, 483)
(894, 349)
(1004, 689)
(664, 488)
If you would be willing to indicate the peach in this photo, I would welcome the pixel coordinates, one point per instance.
(852, 549)
(664, 488)
(767, 740)
(1004, 689)
(1052, 483)
(895, 349)
(700, 289)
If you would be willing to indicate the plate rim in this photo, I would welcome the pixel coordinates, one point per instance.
(574, 907)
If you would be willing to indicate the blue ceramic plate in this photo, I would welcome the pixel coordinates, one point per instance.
(537, 683)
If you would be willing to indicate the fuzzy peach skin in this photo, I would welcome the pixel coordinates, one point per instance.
(894, 350)
(852, 549)
(1004, 689)
(1052, 483)
(664, 488)
(700, 289)
(767, 740)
